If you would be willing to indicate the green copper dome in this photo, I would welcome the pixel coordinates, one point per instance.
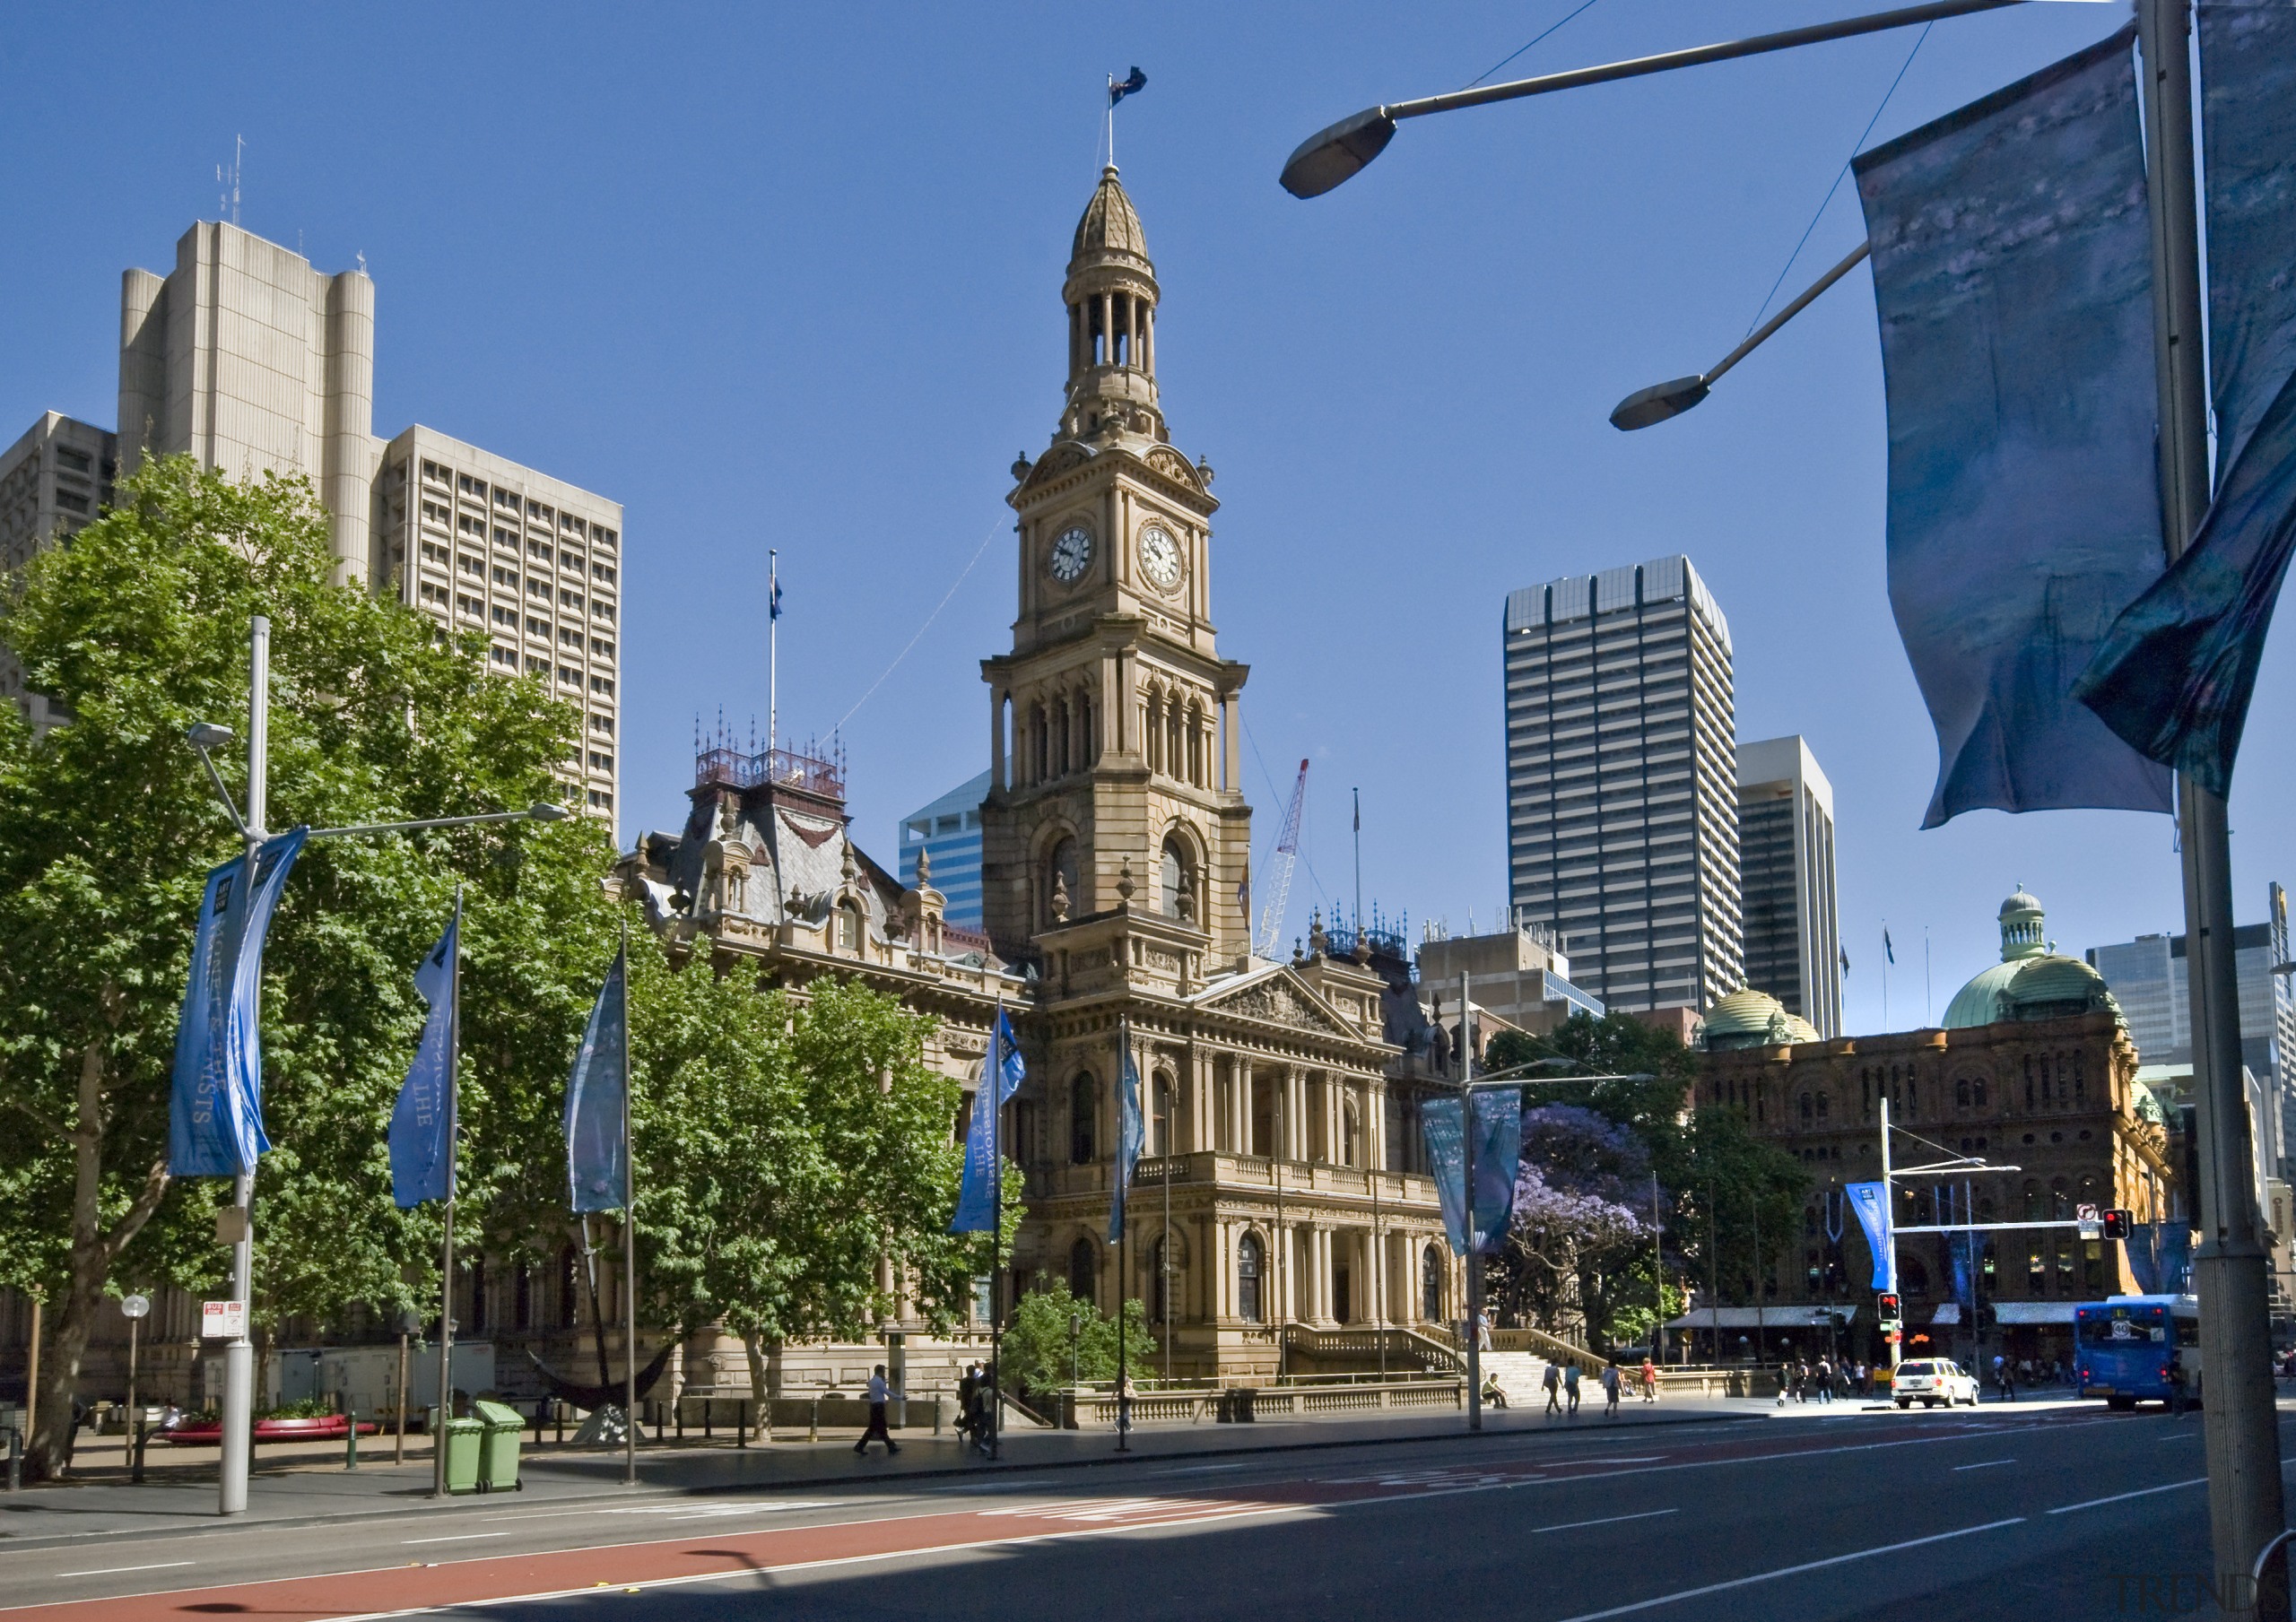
(2030, 982)
(1748, 1018)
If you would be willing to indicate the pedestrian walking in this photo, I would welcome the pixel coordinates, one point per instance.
(966, 1386)
(1865, 1379)
(1825, 1381)
(1551, 1384)
(1483, 1329)
(879, 1393)
(1570, 1390)
(1649, 1381)
(1610, 1391)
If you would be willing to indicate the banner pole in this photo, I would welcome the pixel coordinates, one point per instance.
(1474, 1239)
(443, 1410)
(629, 1236)
(992, 1080)
(1124, 1231)
(239, 1354)
(2231, 1267)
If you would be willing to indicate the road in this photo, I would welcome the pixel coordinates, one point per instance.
(2035, 1513)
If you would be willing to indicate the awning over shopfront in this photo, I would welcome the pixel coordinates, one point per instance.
(1759, 1317)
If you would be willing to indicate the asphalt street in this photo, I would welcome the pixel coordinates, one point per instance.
(2035, 1513)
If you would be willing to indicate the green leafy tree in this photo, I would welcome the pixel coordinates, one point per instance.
(108, 826)
(1040, 1350)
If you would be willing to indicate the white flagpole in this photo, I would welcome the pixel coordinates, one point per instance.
(992, 1082)
(629, 1239)
(772, 654)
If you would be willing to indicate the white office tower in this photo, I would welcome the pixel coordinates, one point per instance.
(253, 363)
(1621, 782)
(1786, 868)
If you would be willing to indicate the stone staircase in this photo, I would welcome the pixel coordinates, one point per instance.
(1519, 1375)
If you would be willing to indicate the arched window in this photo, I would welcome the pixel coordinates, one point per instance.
(1041, 742)
(2060, 1200)
(2080, 1080)
(1431, 1285)
(1806, 1108)
(1061, 877)
(1976, 1092)
(1176, 888)
(1084, 1100)
(1825, 1100)
(1961, 1093)
(1083, 1260)
(1251, 1262)
(848, 927)
(1062, 762)
(2035, 1210)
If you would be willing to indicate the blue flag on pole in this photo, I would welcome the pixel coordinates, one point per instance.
(1871, 1201)
(2176, 675)
(2013, 276)
(1498, 1158)
(215, 1104)
(597, 1101)
(978, 1194)
(1130, 1132)
(422, 1122)
(1119, 88)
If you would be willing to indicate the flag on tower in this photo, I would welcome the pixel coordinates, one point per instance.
(1119, 89)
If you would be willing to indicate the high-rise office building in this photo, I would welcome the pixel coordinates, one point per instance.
(948, 833)
(252, 362)
(2148, 977)
(1621, 782)
(52, 479)
(1786, 880)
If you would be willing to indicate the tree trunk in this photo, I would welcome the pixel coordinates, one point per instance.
(755, 1349)
(88, 1269)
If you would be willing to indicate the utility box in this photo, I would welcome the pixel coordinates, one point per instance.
(465, 1440)
(497, 1453)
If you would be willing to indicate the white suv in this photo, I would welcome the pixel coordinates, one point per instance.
(1931, 1381)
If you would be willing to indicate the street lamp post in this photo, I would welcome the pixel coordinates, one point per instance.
(2230, 1265)
(239, 1353)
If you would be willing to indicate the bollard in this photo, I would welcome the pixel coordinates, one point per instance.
(741, 1423)
(15, 1460)
(558, 1415)
(136, 1466)
(812, 1430)
(706, 1404)
(677, 1418)
(936, 1416)
(351, 1438)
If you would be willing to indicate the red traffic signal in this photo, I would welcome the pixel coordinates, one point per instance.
(2119, 1224)
(1887, 1307)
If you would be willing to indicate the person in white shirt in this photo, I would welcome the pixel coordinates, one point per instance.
(879, 1392)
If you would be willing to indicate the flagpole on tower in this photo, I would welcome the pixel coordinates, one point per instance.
(772, 653)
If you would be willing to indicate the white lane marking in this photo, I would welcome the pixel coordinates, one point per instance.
(108, 1571)
(1982, 1465)
(457, 1538)
(1789, 1571)
(1647, 1515)
(2142, 1492)
(987, 1486)
(1605, 1459)
(1198, 1469)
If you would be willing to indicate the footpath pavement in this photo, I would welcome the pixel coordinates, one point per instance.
(309, 1484)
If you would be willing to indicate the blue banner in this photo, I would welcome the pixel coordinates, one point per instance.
(981, 1191)
(1130, 1131)
(215, 1104)
(422, 1122)
(1871, 1201)
(2013, 276)
(597, 1101)
(2160, 1253)
(2176, 675)
(1498, 1160)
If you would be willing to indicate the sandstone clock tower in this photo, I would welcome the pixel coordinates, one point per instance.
(1114, 749)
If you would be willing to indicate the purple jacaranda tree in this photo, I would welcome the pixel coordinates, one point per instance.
(1582, 1215)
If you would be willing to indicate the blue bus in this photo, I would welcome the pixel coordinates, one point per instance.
(2124, 1347)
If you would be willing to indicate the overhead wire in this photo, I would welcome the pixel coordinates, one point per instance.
(1854, 147)
(1503, 61)
(993, 532)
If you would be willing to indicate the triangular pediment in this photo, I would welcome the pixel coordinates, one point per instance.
(1279, 997)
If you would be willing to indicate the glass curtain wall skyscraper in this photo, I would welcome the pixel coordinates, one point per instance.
(1621, 782)
(1785, 865)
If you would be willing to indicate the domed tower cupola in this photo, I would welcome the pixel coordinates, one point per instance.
(1111, 298)
(2021, 935)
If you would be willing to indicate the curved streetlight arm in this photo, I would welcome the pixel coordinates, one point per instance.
(1333, 155)
(221, 792)
(534, 813)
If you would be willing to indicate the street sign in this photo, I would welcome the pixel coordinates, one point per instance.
(134, 1306)
(222, 1320)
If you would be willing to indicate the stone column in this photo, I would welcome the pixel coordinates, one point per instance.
(1295, 1082)
(1232, 725)
(995, 739)
(1148, 338)
(1107, 329)
(1375, 1124)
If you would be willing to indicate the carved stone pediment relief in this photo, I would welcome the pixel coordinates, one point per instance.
(1276, 1000)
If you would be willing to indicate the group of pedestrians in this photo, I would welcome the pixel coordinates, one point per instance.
(1561, 1381)
(1802, 1381)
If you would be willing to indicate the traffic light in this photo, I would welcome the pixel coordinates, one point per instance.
(2119, 1224)
(1887, 1308)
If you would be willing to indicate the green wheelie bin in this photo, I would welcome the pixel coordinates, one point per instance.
(498, 1457)
(463, 1437)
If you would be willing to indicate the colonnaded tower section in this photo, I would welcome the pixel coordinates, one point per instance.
(1114, 753)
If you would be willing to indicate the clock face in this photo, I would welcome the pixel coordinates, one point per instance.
(1072, 554)
(1159, 557)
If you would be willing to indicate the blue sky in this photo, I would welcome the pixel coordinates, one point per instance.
(782, 276)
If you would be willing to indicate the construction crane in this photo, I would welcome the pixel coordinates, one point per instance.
(1287, 853)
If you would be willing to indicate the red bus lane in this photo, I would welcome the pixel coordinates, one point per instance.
(397, 1588)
